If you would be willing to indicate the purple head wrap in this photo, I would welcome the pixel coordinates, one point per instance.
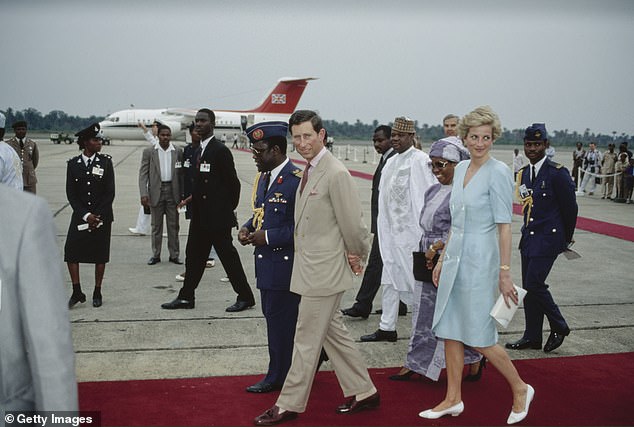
(449, 148)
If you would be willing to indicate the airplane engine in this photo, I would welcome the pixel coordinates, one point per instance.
(177, 128)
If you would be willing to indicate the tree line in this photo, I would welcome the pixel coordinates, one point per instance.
(59, 121)
(55, 121)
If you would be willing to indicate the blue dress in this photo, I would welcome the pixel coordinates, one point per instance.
(469, 278)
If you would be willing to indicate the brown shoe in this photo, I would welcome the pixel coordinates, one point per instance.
(352, 405)
(272, 416)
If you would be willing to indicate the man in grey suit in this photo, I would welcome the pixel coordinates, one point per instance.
(37, 363)
(161, 186)
(331, 241)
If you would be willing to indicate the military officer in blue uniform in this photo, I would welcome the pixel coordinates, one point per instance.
(550, 215)
(90, 190)
(270, 231)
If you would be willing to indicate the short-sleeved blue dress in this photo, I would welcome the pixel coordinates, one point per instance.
(469, 278)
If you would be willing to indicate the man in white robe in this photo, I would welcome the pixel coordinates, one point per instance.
(406, 176)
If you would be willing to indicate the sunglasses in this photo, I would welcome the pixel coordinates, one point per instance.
(258, 152)
(438, 164)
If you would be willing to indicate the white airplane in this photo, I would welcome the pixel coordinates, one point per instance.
(279, 104)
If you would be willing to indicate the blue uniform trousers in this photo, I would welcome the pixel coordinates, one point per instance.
(538, 301)
(280, 311)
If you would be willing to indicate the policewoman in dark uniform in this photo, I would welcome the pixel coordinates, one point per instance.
(90, 192)
(270, 231)
(550, 215)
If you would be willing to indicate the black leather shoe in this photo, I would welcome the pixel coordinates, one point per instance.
(352, 405)
(476, 377)
(555, 339)
(240, 306)
(405, 376)
(263, 387)
(402, 309)
(178, 303)
(153, 261)
(380, 335)
(97, 299)
(323, 357)
(523, 344)
(75, 298)
(355, 312)
(272, 416)
(176, 261)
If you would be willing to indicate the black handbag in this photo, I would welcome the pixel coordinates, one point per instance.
(421, 273)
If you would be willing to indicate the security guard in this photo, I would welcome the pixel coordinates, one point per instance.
(90, 192)
(270, 230)
(28, 153)
(550, 215)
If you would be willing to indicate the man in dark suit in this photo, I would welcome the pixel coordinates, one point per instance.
(550, 215)
(161, 187)
(215, 196)
(270, 230)
(372, 277)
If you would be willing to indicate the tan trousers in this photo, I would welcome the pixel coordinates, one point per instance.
(320, 323)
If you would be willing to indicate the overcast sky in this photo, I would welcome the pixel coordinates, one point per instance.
(569, 63)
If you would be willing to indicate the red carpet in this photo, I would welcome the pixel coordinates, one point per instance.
(569, 391)
(594, 226)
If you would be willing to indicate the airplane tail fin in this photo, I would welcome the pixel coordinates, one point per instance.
(284, 97)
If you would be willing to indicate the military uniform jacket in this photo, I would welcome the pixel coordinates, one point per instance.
(90, 189)
(550, 222)
(215, 188)
(30, 157)
(274, 261)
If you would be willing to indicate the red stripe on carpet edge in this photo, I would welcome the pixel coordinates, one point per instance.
(587, 390)
(595, 226)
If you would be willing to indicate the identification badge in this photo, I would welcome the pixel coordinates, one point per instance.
(186, 164)
(205, 167)
(96, 170)
(524, 191)
(178, 165)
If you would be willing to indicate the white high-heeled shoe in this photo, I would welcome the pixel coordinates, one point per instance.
(516, 417)
(454, 411)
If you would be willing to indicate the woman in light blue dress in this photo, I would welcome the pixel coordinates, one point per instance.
(475, 264)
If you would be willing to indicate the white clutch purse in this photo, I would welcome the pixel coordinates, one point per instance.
(503, 314)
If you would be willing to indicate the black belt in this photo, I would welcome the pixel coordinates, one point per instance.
(166, 182)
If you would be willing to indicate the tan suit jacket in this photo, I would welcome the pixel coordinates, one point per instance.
(328, 225)
(150, 175)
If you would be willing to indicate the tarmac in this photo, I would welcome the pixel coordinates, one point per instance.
(131, 337)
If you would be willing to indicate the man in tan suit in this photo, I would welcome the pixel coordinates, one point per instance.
(28, 153)
(330, 242)
(161, 187)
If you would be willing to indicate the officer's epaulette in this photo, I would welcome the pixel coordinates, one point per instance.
(522, 168)
(555, 164)
(107, 156)
(73, 158)
(298, 173)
